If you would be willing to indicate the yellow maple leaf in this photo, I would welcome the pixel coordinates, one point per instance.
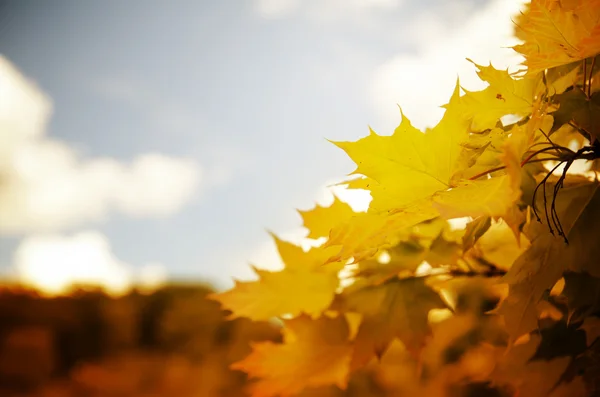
(491, 196)
(411, 178)
(320, 220)
(499, 246)
(409, 165)
(505, 95)
(396, 309)
(314, 353)
(556, 33)
(305, 285)
(364, 235)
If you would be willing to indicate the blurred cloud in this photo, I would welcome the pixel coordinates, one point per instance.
(423, 81)
(320, 9)
(151, 276)
(53, 263)
(45, 185)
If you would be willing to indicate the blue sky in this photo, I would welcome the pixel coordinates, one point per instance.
(247, 91)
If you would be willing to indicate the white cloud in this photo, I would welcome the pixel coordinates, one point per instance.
(422, 82)
(45, 185)
(321, 9)
(54, 263)
(151, 277)
(272, 9)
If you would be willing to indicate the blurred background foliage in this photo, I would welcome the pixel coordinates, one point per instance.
(176, 342)
(172, 342)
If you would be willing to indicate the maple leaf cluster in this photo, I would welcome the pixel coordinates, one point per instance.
(508, 305)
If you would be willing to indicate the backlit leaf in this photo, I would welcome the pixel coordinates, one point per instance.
(543, 264)
(305, 285)
(505, 95)
(556, 34)
(320, 220)
(314, 353)
(396, 309)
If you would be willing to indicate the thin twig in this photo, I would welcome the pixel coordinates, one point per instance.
(484, 173)
(547, 149)
(491, 272)
(591, 77)
(543, 182)
(584, 76)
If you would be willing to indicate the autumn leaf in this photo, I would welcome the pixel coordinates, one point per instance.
(314, 353)
(474, 230)
(505, 95)
(561, 78)
(303, 286)
(591, 326)
(580, 110)
(410, 177)
(405, 256)
(574, 388)
(499, 247)
(560, 339)
(543, 264)
(320, 220)
(423, 162)
(389, 274)
(583, 295)
(445, 249)
(556, 34)
(429, 241)
(540, 378)
(395, 309)
(366, 234)
(491, 196)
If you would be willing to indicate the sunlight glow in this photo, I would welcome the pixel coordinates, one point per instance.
(55, 264)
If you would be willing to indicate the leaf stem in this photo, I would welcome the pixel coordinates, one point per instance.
(526, 161)
(484, 173)
(492, 271)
